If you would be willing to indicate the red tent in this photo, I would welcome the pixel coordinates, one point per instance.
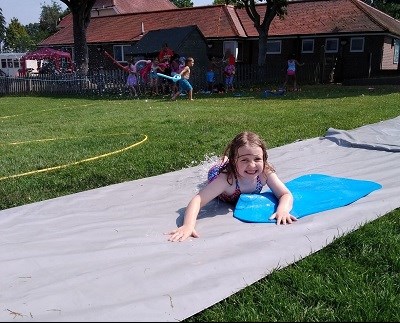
(58, 57)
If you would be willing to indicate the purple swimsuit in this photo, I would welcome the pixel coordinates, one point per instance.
(233, 198)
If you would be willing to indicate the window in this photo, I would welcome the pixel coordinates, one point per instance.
(232, 46)
(235, 47)
(331, 45)
(357, 44)
(16, 62)
(307, 46)
(274, 46)
(121, 52)
(69, 50)
(396, 51)
(239, 57)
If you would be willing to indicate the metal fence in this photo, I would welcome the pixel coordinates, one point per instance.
(114, 81)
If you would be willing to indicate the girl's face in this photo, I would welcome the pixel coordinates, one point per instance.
(250, 161)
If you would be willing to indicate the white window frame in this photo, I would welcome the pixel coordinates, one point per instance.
(274, 52)
(353, 43)
(307, 41)
(335, 43)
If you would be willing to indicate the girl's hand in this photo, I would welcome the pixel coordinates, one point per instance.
(283, 218)
(182, 233)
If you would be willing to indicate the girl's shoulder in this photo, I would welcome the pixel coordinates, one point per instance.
(266, 175)
(219, 180)
(218, 170)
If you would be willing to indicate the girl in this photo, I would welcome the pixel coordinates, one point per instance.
(155, 68)
(132, 81)
(243, 169)
(291, 71)
(229, 73)
(176, 68)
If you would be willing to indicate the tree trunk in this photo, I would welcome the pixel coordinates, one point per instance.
(262, 47)
(80, 46)
(80, 11)
(262, 55)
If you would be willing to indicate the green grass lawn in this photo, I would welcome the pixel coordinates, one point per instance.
(53, 146)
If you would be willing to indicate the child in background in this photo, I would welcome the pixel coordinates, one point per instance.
(176, 68)
(291, 71)
(229, 73)
(155, 68)
(244, 168)
(229, 70)
(210, 79)
(132, 80)
(184, 85)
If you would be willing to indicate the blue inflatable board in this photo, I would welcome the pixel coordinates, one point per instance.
(312, 193)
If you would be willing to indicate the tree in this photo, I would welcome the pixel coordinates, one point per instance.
(182, 3)
(80, 10)
(273, 8)
(225, 2)
(17, 38)
(49, 17)
(2, 26)
(47, 25)
(232, 2)
(390, 7)
(36, 33)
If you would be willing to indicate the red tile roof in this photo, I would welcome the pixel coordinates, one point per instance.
(307, 17)
(130, 6)
(324, 17)
(213, 21)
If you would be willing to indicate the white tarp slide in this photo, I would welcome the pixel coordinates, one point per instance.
(101, 255)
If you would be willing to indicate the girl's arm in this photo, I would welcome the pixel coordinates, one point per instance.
(209, 192)
(285, 197)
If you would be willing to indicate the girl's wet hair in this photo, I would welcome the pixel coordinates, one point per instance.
(245, 138)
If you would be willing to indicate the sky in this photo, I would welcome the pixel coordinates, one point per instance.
(28, 11)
